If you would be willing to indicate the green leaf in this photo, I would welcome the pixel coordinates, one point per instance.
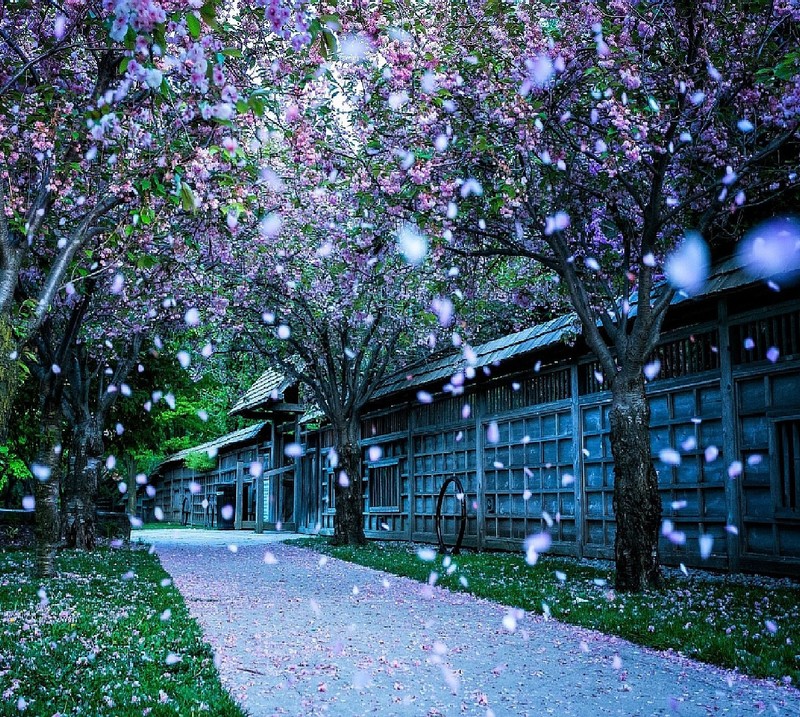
(209, 14)
(160, 35)
(328, 42)
(232, 52)
(130, 39)
(187, 198)
(193, 24)
(257, 106)
(786, 69)
(331, 22)
(146, 262)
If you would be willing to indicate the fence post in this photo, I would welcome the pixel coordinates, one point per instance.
(237, 520)
(732, 487)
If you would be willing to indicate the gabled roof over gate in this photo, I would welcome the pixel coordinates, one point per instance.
(267, 394)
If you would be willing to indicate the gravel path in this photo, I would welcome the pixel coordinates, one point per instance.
(299, 634)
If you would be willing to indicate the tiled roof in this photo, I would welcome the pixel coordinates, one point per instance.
(725, 276)
(537, 337)
(267, 387)
(241, 436)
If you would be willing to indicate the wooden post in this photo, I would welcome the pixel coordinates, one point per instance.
(237, 519)
(480, 442)
(298, 475)
(272, 516)
(410, 470)
(577, 462)
(732, 487)
(258, 482)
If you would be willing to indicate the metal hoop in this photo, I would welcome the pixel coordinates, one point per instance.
(443, 549)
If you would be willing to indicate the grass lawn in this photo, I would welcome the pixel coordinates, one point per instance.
(170, 526)
(109, 636)
(748, 623)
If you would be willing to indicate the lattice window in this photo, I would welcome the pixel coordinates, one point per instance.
(438, 456)
(329, 476)
(589, 378)
(326, 438)
(687, 355)
(541, 388)
(442, 411)
(787, 434)
(690, 354)
(385, 424)
(751, 340)
(384, 487)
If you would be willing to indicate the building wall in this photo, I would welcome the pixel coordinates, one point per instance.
(717, 400)
(733, 415)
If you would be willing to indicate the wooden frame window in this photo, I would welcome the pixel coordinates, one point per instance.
(787, 444)
(384, 486)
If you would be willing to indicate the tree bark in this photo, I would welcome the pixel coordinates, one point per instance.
(80, 487)
(348, 523)
(46, 491)
(9, 376)
(637, 503)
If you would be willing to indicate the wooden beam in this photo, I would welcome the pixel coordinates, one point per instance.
(729, 421)
(237, 520)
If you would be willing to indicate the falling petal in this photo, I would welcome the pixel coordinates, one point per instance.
(688, 266)
(412, 245)
(426, 554)
(669, 456)
(706, 545)
(772, 248)
(60, 27)
(293, 450)
(192, 317)
(651, 370)
(41, 472)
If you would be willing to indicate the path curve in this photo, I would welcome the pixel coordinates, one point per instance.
(299, 634)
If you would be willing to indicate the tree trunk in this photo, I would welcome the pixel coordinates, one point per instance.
(80, 488)
(637, 503)
(348, 523)
(9, 377)
(131, 494)
(48, 470)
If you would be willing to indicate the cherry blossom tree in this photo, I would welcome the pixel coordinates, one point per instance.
(331, 290)
(109, 109)
(610, 143)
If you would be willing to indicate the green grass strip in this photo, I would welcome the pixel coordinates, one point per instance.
(110, 635)
(747, 623)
